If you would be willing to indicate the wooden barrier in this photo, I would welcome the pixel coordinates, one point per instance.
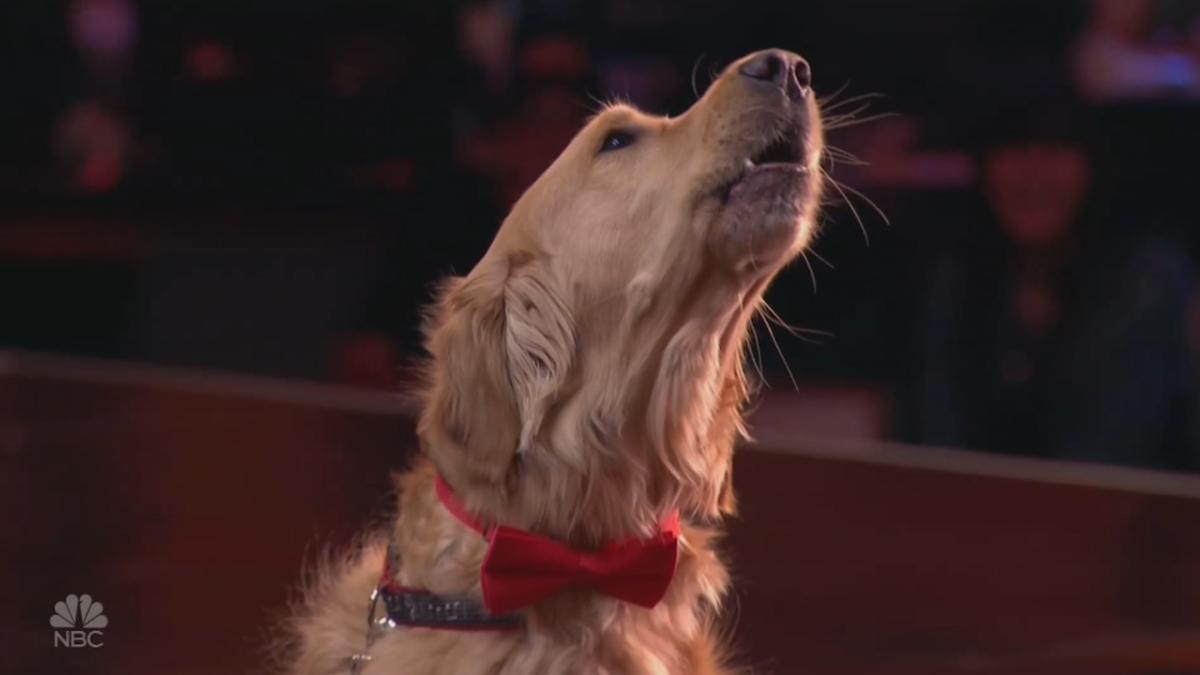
(186, 502)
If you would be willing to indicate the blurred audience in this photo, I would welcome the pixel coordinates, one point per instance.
(210, 60)
(93, 145)
(485, 38)
(105, 32)
(1139, 49)
(93, 141)
(446, 220)
(1048, 324)
(1052, 331)
(549, 111)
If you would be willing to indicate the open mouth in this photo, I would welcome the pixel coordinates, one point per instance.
(785, 151)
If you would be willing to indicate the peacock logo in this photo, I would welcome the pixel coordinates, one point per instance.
(80, 619)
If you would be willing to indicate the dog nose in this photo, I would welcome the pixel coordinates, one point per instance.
(779, 68)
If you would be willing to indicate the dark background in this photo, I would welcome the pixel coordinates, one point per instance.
(269, 212)
(269, 189)
(221, 171)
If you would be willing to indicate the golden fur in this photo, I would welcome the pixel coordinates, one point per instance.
(585, 378)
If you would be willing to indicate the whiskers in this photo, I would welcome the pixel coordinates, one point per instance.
(845, 191)
(835, 116)
(695, 70)
(771, 318)
(831, 105)
(834, 120)
(596, 105)
(839, 156)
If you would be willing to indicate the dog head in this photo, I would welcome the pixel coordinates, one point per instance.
(586, 375)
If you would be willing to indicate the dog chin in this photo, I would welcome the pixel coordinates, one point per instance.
(766, 218)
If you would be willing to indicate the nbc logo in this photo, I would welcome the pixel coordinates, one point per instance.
(82, 620)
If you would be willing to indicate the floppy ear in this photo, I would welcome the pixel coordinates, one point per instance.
(502, 345)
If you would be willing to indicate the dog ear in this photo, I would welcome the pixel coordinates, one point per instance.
(502, 345)
(540, 347)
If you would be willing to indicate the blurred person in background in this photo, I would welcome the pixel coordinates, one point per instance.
(444, 211)
(66, 288)
(105, 32)
(549, 111)
(449, 221)
(93, 142)
(93, 145)
(485, 33)
(1138, 50)
(1052, 331)
(1138, 61)
(521, 95)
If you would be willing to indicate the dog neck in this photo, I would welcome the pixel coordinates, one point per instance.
(586, 508)
(608, 477)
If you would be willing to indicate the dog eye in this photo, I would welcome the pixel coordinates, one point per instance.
(615, 140)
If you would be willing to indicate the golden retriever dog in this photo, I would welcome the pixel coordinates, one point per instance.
(583, 400)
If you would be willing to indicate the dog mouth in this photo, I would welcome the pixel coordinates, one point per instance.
(784, 153)
(787, 149)
(766, 201)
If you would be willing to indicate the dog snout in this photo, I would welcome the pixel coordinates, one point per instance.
(778, 70)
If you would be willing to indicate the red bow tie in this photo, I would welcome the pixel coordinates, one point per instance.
(520, 568)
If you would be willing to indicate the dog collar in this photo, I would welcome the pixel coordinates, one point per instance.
(393, 606)
(519, 569)
(418, 608)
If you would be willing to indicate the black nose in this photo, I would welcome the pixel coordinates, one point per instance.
(779, 68)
